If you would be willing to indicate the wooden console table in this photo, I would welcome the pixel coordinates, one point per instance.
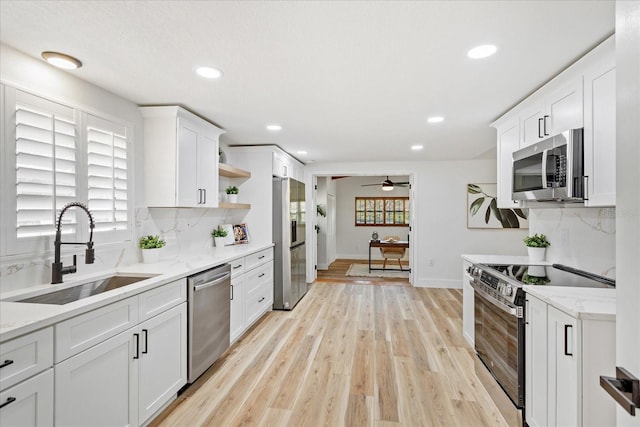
(382, 244)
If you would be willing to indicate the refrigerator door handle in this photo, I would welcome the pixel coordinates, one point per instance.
(294, 231)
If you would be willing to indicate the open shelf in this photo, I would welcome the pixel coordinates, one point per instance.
(227, 205)
(232, 172)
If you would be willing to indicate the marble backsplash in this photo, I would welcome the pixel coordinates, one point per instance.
(187, 231)
(583, 238)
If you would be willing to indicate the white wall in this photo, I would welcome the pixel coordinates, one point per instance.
(353, 242)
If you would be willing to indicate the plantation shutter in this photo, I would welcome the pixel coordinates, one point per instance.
(107, 174)
(46, 150)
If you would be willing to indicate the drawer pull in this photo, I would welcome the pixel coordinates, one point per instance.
(261, 299)
(237, 266)
(9, 400)
(145, 332)
(6, 363)
(262, 275)
(261, 256)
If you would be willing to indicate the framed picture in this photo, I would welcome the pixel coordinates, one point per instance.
(483, 210)
(241, 233)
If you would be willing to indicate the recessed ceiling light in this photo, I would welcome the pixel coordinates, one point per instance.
(483, 51)
(274, 127)
(435, 119)
(61, 60)
(209, 72)
(417, 147)
(302, 152)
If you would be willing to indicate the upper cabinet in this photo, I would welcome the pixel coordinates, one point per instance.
(582, 96)
(181, 158)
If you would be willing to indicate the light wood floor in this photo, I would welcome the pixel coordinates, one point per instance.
(350, 354)
(338, 269)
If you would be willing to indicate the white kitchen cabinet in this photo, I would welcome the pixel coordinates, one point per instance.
(508, 142)
(536, 362)
(163, 360)
(180, 158)
(26, 380)
(600, 127)
(547, 115)
(251, 290)
(123, 377)
(564, 358)
(99, 386)
(30, 403)
(468, 314)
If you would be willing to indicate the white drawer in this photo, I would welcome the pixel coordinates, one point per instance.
(84, 331)
(258, 276)
(25, 356)
(259, 258)
(237, 266)
(259, 301)
(29, 403)
(156, 301)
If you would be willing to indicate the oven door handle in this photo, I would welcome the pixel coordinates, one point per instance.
(513, 311)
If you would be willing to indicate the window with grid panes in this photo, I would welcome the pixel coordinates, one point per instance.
(382, 211)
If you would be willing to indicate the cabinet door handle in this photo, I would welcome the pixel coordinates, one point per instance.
(566, 340)
(145, 333)
(204, 201)
(237, 266)
(231, 292)
(6, 363)
(540, 127)
(261, 256)
(262, 275)
(8, 401)
(545, 125)
(261, 299)
(137, 344)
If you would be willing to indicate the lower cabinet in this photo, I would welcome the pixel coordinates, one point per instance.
(126, 379)
(251, 290)
(30, 403)
(468, 314)
(565, 357)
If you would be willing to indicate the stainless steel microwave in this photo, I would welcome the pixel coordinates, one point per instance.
(551, 170)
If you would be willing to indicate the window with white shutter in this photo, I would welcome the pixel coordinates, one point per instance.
(107, 174)
(52, 155)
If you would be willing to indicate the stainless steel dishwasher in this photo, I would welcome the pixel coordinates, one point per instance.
(209, 316)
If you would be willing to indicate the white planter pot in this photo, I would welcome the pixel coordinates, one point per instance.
(219, 241)
(151, 256)
(536, 254)
(232, 198)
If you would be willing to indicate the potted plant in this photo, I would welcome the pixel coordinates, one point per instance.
(232, 194)
(536, 246)
(219, 236)
(151, 246)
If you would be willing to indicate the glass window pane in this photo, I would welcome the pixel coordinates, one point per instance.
(379, 217)
(369, 218)
(359, 217)
(370, 205)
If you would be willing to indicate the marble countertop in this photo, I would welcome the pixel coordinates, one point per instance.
(501, 259)
(17, 318)
(581, 303)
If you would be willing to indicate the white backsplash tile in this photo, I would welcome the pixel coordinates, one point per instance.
(584, 238)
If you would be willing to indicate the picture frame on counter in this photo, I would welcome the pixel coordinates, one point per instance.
(241, 234)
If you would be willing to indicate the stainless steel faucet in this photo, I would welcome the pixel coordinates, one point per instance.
(57, 269)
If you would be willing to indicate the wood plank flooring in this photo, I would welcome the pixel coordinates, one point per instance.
(350, 354)
(338, 269)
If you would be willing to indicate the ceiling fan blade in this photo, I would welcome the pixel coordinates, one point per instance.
(401, 183)
(370, 185)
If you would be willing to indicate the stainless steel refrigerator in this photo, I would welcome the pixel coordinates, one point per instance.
(290, 259)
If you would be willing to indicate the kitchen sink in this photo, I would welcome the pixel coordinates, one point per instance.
(75, 293)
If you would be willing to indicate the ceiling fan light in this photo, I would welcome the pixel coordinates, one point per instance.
(387, 186)
(61, 60)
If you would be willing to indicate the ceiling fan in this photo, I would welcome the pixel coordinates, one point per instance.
(387, 184)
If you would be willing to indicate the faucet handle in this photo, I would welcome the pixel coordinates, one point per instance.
(89, 255)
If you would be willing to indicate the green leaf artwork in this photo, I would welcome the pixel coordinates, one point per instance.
(483, 210)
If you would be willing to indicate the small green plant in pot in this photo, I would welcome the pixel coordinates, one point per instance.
(232, 194)
(150, 246)
(536, 246)
(219, 236)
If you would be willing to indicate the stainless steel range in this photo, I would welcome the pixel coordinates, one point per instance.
(499, 315)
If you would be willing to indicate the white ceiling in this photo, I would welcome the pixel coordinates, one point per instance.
(348, 80)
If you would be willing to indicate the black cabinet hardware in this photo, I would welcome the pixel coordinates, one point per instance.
(566, 339)
(145, 333)
(137, 344)
(540, 127)
(262, 275)
(6, 402)
(261, 299)
(6, 363)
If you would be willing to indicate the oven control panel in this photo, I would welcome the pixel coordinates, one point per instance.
(500, 287)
